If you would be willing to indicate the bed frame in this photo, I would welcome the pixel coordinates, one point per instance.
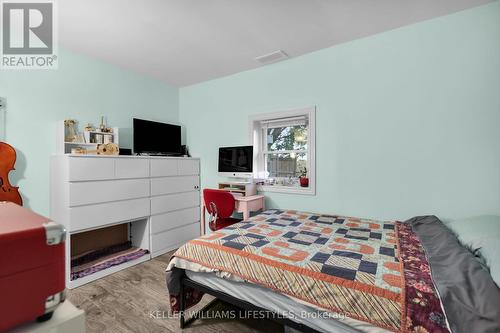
(186, 282)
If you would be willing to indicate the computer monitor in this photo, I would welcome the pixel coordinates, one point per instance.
(236, 161)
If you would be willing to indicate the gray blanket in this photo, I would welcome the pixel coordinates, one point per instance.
(470, 296)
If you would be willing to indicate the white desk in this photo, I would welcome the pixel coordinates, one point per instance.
(66, 319)
(243, 204)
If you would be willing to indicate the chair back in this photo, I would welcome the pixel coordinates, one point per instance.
(218, 203)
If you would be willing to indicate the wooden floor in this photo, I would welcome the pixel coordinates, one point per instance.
(124, 301)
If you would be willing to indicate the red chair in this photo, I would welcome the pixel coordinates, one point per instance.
(220, 206)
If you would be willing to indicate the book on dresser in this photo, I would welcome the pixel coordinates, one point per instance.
(147, 205)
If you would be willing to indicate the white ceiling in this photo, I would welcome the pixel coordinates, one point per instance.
(182, 42)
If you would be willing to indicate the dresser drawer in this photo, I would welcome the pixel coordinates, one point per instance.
(87, 217)
(84, 193)
(163, 167)
(91, 168)
(168, 185)
(132, 168)
(167, 221)
(167, 203)
(189, 167)
(169, 240)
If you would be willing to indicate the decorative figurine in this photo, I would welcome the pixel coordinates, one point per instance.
(102, 127)
(70, 132)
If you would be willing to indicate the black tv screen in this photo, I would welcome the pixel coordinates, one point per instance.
(151, 137)
(236, 159)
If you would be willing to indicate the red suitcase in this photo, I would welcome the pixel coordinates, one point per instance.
(31, 266)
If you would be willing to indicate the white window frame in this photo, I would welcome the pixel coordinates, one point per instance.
(256, 136)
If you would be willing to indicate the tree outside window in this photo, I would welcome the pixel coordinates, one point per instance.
(286, 155)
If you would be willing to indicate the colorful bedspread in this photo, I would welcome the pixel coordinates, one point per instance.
(369, 270)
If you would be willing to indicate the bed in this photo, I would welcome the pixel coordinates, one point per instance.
(327, 273)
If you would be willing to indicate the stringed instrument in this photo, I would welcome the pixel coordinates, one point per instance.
(7, 162)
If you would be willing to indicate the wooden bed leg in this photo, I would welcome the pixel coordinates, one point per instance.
(182, 305)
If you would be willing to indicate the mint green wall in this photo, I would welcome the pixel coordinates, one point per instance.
(83, 89)
(407, 120)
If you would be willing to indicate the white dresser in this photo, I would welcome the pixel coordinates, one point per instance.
(158, 197)
(175, 203)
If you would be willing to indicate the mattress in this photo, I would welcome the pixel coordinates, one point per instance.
(411, 276)
(321, 321)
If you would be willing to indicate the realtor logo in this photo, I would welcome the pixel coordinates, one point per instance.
(28, 35)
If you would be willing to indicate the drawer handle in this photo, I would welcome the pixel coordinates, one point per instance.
(196, 187)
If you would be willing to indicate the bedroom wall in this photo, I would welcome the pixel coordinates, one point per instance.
(83, 89)
(407, 120)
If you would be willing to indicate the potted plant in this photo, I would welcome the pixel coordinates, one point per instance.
(303, 179)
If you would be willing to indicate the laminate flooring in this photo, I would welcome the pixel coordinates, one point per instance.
(135, 299)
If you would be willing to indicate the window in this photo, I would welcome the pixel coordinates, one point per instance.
(284, 151)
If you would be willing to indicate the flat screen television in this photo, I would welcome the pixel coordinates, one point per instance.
(236, 161)
(154, 138)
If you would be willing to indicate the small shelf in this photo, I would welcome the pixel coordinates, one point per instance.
(246, 189)
(88, 137)
(96, 132)
(80, 144)
(234, 190)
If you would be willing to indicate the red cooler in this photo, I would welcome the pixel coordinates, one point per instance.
(31, 266)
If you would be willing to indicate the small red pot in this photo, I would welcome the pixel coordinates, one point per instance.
(304, 181)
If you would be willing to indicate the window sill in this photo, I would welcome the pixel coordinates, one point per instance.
(286, 189)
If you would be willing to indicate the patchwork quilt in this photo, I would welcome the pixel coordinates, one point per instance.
(373, 271)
